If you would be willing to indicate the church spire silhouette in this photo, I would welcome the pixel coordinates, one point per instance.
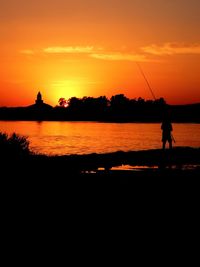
(39, 100)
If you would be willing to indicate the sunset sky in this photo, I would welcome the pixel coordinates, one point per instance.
(66, 48)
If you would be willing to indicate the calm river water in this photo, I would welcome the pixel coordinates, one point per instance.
(61, 138)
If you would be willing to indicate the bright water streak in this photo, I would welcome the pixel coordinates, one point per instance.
(61, 138)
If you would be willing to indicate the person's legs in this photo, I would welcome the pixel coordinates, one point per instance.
(170, 144)
(164, 143)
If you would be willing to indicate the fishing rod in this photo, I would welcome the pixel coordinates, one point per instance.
(145, 78)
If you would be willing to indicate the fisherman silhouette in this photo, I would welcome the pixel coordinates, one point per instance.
(167, 128)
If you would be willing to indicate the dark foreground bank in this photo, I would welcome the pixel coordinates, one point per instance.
(81, 199)
(180, 162)
(81, 186)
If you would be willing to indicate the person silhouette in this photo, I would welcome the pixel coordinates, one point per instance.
(166, 128)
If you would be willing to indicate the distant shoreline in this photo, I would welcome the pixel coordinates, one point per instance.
(98, 121)
(138, 111)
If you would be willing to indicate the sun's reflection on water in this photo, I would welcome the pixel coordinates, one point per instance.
(64, 138)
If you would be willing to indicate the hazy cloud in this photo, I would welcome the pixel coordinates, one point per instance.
(68, 49)
(171, 49)
(91, 51)
(119, 57)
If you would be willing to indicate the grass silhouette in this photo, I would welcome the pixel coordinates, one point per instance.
(13, 146)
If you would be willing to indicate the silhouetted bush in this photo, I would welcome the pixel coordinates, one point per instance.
(13, 146)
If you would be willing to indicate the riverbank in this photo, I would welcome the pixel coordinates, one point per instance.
(158, 163)
(56, 187)
(82, 181)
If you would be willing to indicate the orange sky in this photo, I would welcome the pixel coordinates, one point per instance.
(66, 48)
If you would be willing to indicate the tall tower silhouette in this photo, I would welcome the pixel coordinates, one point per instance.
(39, 100)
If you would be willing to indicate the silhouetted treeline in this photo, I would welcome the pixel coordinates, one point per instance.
(118, 108)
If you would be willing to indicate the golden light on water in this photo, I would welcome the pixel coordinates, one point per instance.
(63, 138)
